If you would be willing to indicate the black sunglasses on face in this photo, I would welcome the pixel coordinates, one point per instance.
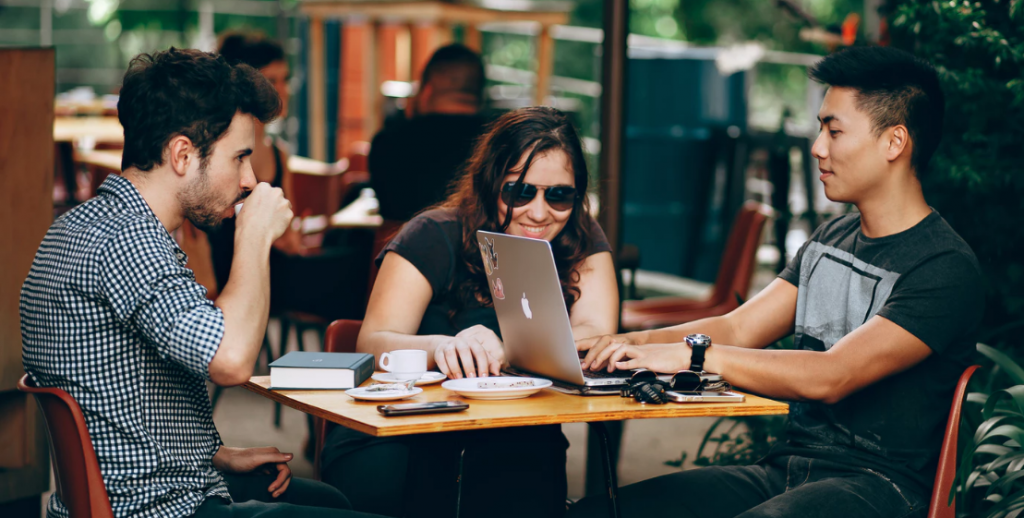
(559, 197)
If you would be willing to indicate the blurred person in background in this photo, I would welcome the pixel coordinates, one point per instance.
(412, 161)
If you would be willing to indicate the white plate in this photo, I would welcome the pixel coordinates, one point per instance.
(468, 387)
(427, 379)
(392, 395)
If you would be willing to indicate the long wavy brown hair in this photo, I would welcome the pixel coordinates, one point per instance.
(532, 132)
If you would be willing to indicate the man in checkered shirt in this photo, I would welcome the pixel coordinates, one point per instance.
(111, 314)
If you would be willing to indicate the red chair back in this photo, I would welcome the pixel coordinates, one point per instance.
(341, 337)
(359, 156)
(946, 472)
(315, 194)
(76, 470)
(740, 254)
(734, 276)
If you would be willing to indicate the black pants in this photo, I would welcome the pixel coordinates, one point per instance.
(781, 487)
(507, 472)
(302, 498)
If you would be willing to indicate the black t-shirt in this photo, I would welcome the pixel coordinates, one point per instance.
(413, 162)
(432, 243)
(927, 281)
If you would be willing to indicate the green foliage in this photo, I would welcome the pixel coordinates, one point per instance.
(989, 481)
(723, 22)
(976, 180)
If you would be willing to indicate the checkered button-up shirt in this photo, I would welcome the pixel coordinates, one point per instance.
(110, 314)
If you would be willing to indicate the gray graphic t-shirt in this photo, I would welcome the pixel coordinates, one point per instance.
(926, 280)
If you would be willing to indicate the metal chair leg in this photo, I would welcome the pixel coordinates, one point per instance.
(282, 347)
(601, 431)
(458, 484)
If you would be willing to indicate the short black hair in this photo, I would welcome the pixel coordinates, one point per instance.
(186, 92)
(894, 87)
(252, 48)
(455, 68)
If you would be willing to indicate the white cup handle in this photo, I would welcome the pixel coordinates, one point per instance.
(385, 356)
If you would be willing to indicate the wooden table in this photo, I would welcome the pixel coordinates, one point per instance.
(546, 407)
(100, 129)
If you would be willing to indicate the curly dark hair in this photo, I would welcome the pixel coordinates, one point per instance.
(186, 92)
(532, 132)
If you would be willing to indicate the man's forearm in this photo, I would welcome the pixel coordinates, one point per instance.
(720, 330)
(782, 374)
(245, 302)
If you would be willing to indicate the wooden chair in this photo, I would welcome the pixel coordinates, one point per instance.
(75, 468)
(734, 275)
(945, 474)
(341, 337)
(359, 156)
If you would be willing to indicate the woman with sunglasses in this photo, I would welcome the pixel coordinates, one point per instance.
(527, 177)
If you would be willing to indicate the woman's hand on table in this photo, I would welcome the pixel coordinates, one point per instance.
(475, 351)
(256, 460)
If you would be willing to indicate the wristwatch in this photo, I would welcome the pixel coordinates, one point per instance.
(698, 345)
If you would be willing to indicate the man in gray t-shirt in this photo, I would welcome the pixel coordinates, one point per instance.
(883, 305)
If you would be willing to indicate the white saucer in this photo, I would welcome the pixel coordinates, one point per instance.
(391, 395)
(468, 387)
(427, 379)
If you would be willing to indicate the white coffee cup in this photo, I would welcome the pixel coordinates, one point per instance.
(405, 364)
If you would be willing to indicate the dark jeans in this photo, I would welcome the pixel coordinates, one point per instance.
(302, 498)
(781, 487)
(507, 472)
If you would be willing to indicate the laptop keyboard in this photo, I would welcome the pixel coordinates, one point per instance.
(602, 374)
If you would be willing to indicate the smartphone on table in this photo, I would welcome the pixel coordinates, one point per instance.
(703, 397)
(422, 408)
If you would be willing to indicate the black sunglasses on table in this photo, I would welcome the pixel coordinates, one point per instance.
(559, 197)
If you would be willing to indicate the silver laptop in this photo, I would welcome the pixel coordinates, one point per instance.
(532, 315)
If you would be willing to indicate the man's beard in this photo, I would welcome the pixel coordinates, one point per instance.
(198, 202)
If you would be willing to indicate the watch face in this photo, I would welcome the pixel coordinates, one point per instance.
(698, 340)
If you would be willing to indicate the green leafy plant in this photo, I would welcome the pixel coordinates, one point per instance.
(990, 480)
(975, 179)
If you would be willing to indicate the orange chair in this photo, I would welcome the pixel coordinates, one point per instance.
(341, 337)
(946, 472)
(734, 275)
(359, 156)
(315, 194)
(79, 481)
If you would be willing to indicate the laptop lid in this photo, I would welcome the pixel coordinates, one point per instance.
(527, 297)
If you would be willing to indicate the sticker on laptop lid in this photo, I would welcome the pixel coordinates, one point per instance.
(488, 268)
(490, 253)
(499, 290)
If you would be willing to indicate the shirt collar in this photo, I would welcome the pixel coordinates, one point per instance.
(124, 191)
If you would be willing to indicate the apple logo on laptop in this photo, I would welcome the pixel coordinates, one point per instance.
(526, 308)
